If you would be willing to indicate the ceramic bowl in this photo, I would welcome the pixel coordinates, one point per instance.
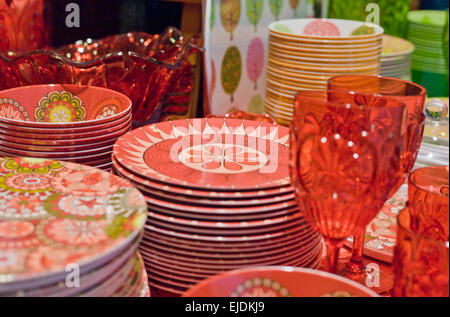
(278, 282)
(61, 106)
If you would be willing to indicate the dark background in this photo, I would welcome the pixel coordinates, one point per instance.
(100, 18)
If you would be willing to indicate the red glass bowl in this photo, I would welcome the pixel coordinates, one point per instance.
(152, 70)
(61, 106)
(278, 282)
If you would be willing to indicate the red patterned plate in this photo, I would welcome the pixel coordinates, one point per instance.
(303, 239)
(227, 232)
(61, 106)
(179, 199)
(177, 250)
(69, 154)
(220, 239)
(190, 192)
(230, 246)
(225, 224)
(191, 261)
(55, 148)
(215, 153)
(223, 210)
(63, 130)
(222, 216)
(54, 213)
(381, 233)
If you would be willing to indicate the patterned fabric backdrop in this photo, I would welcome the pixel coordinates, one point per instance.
(236, 38)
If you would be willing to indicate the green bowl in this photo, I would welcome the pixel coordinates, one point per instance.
(436, 84)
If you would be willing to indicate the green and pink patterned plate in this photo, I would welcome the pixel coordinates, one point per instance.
(54, 214)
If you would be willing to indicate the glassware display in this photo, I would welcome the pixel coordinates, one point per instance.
(373, 90)
(150, 69)
(345, 160)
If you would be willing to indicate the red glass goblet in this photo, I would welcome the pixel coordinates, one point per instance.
(373, 90)
(345, 159)
(429, 201)
(421, 262)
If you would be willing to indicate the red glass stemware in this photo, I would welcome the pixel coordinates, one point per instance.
(345, 159)
(421, 262)
(375, 90)
(429, 201)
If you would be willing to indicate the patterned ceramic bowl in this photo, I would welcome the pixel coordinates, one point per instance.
(278, 282)
(61, 106)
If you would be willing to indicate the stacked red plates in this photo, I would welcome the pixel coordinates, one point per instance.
(63, 122)
(219, 198)
(68, 230)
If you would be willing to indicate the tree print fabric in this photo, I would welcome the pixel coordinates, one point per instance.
(230, 14)
(255, 60)
(254, 9)
(231, 70)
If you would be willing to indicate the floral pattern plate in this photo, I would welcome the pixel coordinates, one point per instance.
(381, 233)
(54, 213)
(215, 153)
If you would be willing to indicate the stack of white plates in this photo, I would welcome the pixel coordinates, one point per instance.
(305, 53)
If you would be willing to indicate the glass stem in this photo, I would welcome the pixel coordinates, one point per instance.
(333, 249)
(356, 263)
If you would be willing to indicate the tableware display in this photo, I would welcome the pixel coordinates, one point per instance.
(281, 281)
(63, 122)
(151, 69)
(380, 235)
(421, 260)
(58, 217)
(376, 91)
(344, 162)
(429, 67)
(396, 57)
(428, 198)
(305, 53)
(219, 198)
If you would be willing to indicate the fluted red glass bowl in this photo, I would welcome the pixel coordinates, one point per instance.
(152, 70)
(61, 106)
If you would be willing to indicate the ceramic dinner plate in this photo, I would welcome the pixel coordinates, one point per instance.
(216, 153)
(53, 212)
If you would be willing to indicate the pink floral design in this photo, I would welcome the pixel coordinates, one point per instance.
(229, 157)
(77, 233)
(21, 207)
(15, 229)
(321, 27)
(86, 183)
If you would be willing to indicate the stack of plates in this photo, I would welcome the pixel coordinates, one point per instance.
(68, 230)
(63, 122)
(396, 57)
(429, 68)
(219, 198)
(305, 53)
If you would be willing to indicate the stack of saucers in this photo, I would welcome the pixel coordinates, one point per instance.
(305, 53)
(426, 30)
(219, 198)
(68, 230)
(63, 122)
(396, 57)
